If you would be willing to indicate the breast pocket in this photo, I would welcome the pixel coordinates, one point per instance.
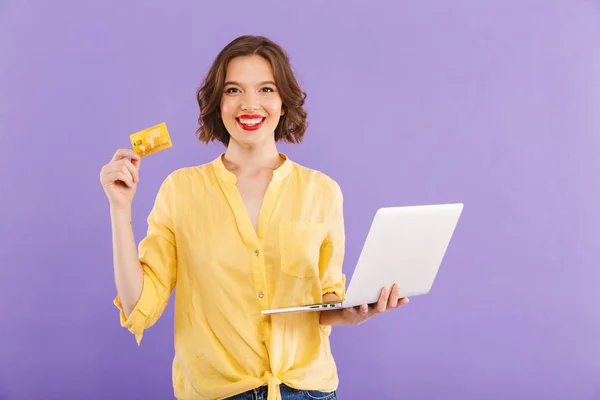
(300, 245)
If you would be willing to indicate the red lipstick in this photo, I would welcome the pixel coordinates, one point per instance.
(250, 127)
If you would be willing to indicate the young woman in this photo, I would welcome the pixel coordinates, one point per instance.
(248, 231)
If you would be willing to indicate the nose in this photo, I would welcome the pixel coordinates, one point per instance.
(250, 102)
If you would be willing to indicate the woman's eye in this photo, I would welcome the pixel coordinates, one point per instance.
(268, 89)
(231, 90)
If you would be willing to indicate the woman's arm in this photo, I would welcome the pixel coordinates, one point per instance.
(127, 268)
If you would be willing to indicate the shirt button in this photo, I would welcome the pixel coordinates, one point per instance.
(262, 340)
(256, 252)
(261, 295)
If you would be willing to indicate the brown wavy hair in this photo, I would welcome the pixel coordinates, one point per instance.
(292, 124)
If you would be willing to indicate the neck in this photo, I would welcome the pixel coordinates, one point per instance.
(251, 159)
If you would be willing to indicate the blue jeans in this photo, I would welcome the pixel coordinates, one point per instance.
(287, 393)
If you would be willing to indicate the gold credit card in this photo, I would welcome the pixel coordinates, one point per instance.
(151, 140)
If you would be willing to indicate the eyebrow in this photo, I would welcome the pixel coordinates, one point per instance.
(260, 84)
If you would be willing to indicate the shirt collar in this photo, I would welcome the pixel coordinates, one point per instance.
(278, 175)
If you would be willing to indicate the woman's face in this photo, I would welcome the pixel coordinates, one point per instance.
(250, 104)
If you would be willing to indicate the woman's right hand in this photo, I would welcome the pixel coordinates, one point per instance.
(119, 178)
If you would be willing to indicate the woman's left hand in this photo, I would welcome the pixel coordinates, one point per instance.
(387, 301)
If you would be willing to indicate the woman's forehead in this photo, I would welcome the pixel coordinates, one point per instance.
(249, 69)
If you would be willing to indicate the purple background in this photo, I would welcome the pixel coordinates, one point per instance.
(492, 103)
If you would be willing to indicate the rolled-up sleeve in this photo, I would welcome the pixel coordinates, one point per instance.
(331, 259)
(158, 257)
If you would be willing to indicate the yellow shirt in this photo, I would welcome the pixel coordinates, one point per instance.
(200, 238)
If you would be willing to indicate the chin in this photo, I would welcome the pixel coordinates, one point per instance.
(249, 141)
(252, 138)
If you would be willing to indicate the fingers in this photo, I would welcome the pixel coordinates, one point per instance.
(381, 305)
(403, 301)
(122, 177)
(388, 299)
(122, 153)
(394, 295)
(131, 168)
(122, 166)
(121, 170)
(111, 177)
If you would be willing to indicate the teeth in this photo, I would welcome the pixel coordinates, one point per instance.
(250, 121)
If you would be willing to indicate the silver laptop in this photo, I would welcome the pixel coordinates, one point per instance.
(405, 245)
